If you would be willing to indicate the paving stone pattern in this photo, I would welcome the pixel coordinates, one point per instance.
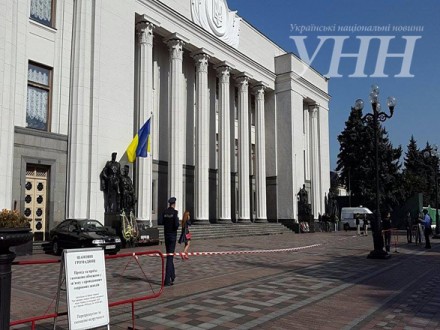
(332, 286)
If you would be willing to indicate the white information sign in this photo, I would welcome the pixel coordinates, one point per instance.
(86, 285)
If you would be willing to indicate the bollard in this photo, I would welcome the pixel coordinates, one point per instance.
(5, 289)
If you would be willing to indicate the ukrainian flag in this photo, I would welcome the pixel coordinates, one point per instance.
(141, 144)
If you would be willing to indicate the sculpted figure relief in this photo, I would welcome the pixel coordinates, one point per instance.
(128, 199)
(331, 207)
(303, 201)
(303, 195)
(110, 179)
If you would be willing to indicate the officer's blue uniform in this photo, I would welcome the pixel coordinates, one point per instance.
(170, 221)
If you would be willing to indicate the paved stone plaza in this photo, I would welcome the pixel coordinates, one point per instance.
(330, 286)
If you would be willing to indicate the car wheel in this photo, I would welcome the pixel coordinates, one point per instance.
(55, 248)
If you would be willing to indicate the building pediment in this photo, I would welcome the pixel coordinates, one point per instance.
(215, 17)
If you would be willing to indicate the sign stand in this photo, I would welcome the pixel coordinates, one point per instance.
(82, 271)
(61, 280)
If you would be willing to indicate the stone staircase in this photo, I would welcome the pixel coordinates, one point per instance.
(41, 247)
(213, 231)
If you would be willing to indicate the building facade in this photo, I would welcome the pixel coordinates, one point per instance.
(238, 125)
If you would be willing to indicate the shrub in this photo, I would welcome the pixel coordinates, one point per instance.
(13, 219)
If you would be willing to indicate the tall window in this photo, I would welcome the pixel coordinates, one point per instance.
(252, 107)
(43, 11)
(38, 96)
(253, 160)
(217, 93)
(236, 103)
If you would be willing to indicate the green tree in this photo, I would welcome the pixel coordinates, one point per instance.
(351, 163)
(414, 173)
(390, 175)
(334, 183)
(357, 163)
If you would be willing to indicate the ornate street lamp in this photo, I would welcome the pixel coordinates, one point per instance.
(435, 154)
(376, 117)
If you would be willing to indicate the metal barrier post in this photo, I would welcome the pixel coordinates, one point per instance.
(5, 288)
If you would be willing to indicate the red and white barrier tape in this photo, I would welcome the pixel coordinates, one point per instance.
(222, 253)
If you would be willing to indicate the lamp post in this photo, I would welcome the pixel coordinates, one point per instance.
(435, 154)
(377, 116)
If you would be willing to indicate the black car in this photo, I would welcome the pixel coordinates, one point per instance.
(82, 233)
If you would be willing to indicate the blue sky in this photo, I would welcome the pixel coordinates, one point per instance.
(418, 98)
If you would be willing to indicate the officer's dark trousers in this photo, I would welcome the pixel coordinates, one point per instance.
(427, 241)
(170, 245)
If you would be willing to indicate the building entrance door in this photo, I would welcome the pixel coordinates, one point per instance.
(35, 198)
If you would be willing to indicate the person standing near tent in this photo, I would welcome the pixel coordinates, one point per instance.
(409, 225)
(427, 226)
(365, 225)
(358, 224)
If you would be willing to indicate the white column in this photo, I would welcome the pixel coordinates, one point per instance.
(316, 199)
(144, 165)
(288, 133)
(81, 111)
(224, 152)
(8, 71)
(244, 212)
(260, 154)
(175, 119)
(201, 200)
(306, 124)
(324, 149)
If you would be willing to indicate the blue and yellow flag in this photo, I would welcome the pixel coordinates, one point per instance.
(141, 144)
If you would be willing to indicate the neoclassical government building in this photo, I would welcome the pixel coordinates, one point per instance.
(238, 125)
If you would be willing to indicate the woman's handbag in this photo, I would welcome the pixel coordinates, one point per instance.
(188, 236)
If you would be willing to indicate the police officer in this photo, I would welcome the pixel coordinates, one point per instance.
(170, 222)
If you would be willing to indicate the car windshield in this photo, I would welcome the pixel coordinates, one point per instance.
(90, 225)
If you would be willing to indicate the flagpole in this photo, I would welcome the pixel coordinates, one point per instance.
(151, 166)
(151, 136)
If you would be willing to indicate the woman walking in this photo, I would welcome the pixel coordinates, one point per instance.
(185, 236)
